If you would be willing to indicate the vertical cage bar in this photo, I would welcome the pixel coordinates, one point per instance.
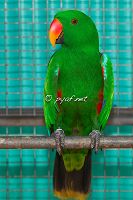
(104, 48)
(103, 25)
(118, 171)
(35, 167)
(6, 59)
(21, 170)
(6, 67)
(19, 55)
(132, 47)
(75, 4)
(104, 153)
(21, 93)
(61, 4)
(34, 89)
(7, 168)
(89, 8)
(117, 82)
(33, 56)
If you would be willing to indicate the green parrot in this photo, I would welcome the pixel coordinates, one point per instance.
(78, 95)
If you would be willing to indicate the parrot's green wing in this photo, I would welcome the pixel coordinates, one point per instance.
(50, 92)
(108, 90)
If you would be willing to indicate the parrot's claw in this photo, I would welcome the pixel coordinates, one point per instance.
(59, 140)
(95, 139)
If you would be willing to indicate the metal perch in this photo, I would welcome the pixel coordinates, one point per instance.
(75, 142)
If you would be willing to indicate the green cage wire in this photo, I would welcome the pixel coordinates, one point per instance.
(24, 54)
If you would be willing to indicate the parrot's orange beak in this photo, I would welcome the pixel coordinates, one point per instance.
(55, 32)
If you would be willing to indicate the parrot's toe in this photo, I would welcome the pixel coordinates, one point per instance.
(95, 139)
(59, 139)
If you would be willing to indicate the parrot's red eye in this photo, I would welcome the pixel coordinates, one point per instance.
(74, 21)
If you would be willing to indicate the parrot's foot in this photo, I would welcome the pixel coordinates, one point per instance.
(95, 139)
(59, 140)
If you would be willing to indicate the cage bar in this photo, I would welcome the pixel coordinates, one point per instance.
(35, 117)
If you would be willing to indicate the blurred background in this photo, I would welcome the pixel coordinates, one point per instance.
(24, 53)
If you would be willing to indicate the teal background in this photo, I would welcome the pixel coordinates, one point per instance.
(24, 54)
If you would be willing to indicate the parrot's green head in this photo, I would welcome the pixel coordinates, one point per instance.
(73, 28)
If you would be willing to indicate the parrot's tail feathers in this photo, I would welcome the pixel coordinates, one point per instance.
(74, 184)
(70, 194)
